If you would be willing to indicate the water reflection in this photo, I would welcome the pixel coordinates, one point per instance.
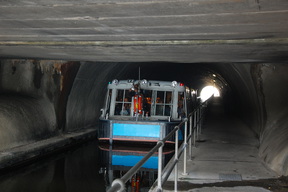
(118, 159)
(86, 168)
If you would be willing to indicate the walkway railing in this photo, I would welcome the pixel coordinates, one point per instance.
(195, 120)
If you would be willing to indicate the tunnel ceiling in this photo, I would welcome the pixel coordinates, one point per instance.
(182, 31)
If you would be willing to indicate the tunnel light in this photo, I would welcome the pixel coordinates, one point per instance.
(181, 84)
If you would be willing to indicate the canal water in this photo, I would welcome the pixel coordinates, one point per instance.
(89, 167)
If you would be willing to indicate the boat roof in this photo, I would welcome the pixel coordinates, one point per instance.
(145, 84)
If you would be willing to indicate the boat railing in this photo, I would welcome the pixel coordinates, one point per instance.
(195, 119)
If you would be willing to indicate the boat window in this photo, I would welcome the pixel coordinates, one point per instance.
(147, 98)
(108, 100)
(181, 110)
(162, 105)
(123, 103)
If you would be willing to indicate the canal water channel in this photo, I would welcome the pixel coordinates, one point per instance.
(89, 167)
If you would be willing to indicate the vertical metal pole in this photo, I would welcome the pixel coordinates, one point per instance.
(176, 159)
(185, 150)
(194, 127)
(160, 151)
(197, 123)
(200, 123)
(190, 141)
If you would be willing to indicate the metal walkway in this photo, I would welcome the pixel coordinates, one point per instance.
(227, 150)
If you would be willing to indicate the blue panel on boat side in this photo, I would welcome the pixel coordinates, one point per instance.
(131, 160)
(136, 130)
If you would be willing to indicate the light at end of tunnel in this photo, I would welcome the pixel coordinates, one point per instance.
(209, 91)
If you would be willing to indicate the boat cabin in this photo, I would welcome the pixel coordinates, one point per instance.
(143, 111)
(142, 99)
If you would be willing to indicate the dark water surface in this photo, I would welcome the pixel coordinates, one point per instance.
(85, 168)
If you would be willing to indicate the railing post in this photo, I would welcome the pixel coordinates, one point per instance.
(185, 149)
(198, 115)
(160, 151)
(190, 141)
(194, 127)
(176, 159)
(200, 122)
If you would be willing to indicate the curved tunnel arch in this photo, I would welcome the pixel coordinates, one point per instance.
(92, 79)
(239, 87)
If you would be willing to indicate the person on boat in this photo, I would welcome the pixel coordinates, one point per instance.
(126, 107)
(124, 112)
(180, 110)
(146, 107)
(134, 90)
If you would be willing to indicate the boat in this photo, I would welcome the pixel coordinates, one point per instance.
(143, 111)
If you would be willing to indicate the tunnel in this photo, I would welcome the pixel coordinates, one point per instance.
(42, 99)
(57, 58)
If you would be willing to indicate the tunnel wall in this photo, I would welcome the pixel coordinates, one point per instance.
(41, 98)
(24, 120)
(239, 95)
(29, 103)
(89, 90)
(259, 94)
(274, 148)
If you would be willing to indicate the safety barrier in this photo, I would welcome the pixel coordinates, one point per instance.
(195, 120)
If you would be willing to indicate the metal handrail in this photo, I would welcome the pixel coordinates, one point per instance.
(119, 184)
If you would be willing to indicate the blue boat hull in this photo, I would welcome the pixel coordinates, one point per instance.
(138, 131)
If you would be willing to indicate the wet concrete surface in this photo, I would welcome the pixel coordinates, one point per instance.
(225, 159)
(262, 185)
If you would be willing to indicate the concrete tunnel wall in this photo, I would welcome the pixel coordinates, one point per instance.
(274, 137)
(26, 103)
(89, 90)
(41, 99)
